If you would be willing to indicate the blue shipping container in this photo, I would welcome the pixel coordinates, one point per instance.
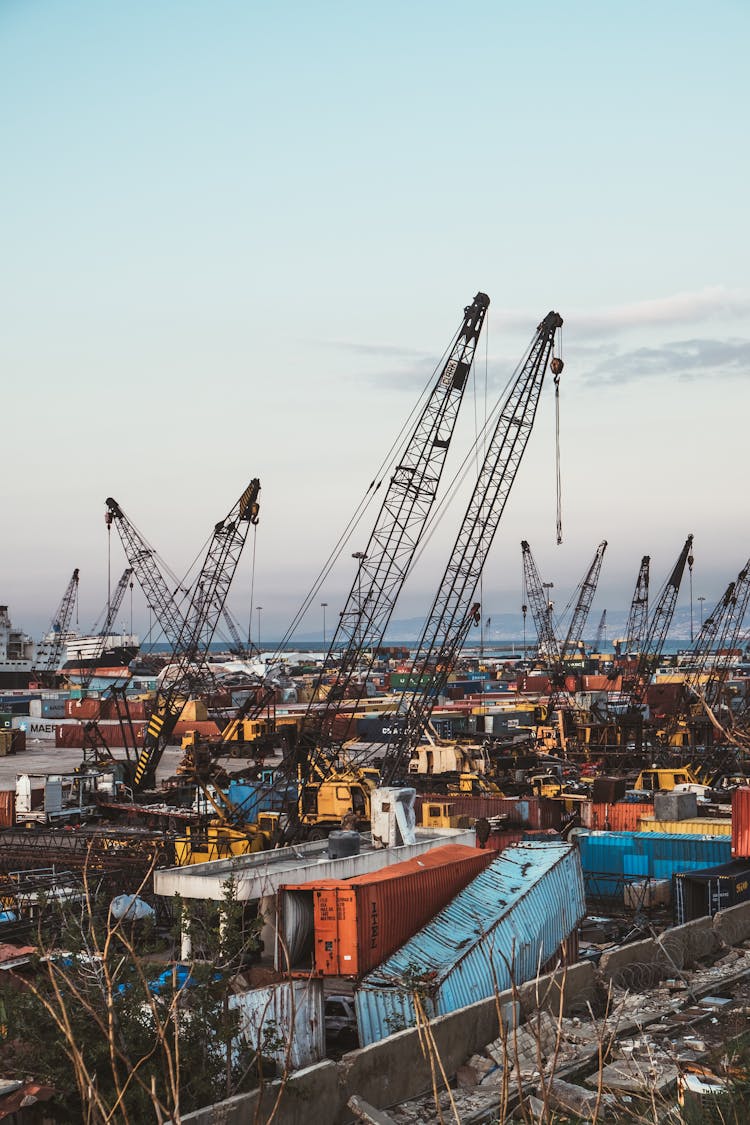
(502, 928)
(609, 859)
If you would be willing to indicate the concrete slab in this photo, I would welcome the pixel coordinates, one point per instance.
(631, 1076)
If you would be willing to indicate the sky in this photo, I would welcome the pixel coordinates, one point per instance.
(237, 237)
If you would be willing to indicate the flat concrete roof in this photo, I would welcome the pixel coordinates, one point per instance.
(260, 874)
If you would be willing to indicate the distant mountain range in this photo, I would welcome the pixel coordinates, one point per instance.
(509, 627)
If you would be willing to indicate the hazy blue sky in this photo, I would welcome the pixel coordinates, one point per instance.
(236, 236)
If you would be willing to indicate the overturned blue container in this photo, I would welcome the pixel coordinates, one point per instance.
(501, 929)
(611, 859)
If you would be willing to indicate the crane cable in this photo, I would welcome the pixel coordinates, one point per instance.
(558, 480)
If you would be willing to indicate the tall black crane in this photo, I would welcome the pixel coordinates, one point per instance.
(141, 556)
(658, 627)
(454, 608)
(601, 632)
(586, 592)
(637, 626)
(541, 610)
(383, 564)
(86, 671)
(50, 650)
(210, 589)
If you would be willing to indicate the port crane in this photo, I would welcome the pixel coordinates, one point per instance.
(383, 564)
(586, 592)
(712, 656)
(601, 632)
(141, 556)
(658, 627)
(637, 626)
(197, 630)
(454, 608)
(50, 650)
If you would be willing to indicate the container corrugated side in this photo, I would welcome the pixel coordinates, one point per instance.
(741, 822)
(507, 923)
(282, 1017)
(700, 826)
(609, 857)
(621, 816)
(359, 922)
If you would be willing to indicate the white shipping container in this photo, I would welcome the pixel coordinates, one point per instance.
(38, 728)
(269, 1016)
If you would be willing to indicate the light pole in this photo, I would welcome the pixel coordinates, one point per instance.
(701, 600)
(323, 606)
(259, 609)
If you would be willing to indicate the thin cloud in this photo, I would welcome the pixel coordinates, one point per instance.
(704, 305)
(685, 359)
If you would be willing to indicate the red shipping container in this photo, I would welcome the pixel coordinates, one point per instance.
(70, 736)
(741, 822)
(499, 841)
(359, 922)
(82, 708)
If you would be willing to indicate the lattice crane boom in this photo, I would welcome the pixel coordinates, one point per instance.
(49, 652)
(587, 590)
(383, 565)
(454, 607)
(142, 558)
(637, 626)
(658, 627)
(541, 609)
(211, 590)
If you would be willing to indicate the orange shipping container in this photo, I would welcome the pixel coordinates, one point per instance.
(357, 923)
(741, 823)
(623, 816)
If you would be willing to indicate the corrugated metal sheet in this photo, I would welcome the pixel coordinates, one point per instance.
(506, 924)
(609, 857)
(741, 822)
(700, 826)
(624, 816)
(357, 923)
(271, 1017)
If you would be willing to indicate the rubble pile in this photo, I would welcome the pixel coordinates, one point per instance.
(639, 1045)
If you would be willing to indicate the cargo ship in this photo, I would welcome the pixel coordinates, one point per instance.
(97, 657)
(16, 654)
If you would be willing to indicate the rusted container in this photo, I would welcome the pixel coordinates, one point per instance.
(527, 812)
(499, 841)
(345, 927)
(71, 735)
(7, 808)
(741, 822)
(83, 709)
(623, 816)
(601, 683)
(533, 683)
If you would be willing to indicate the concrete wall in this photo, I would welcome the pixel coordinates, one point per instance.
(261, 874)
(395, 1069)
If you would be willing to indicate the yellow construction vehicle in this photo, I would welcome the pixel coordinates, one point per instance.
(442, 814)
(673, 777)
(220, 840)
